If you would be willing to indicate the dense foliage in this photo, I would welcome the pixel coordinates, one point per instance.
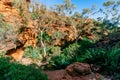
(14, 71)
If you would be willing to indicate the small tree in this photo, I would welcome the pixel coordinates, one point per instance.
(66, 8)
(112, 13)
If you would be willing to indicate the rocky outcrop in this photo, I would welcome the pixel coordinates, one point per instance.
(59, 28)
(10, 13)
(12, 17)
(76, 71)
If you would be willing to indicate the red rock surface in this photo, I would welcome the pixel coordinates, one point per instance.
(12, 16)
(78, 69)
(10, 13)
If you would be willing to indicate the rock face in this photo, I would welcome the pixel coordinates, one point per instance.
(76, 71)
(11, 16)
(10, 13)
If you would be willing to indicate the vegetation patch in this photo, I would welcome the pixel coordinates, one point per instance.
(14, 71)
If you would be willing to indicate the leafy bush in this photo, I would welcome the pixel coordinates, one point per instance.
(114, 35)
(15, 71)
(85, 44)
(45, 37)
(2, 52)
(34, 16)
(23, 8)
(33, 53)
(95, 56)
(2, 18)
(58, 34)
(70, 53)
(36, 54)
(7, 33)
(66, 57)
(113, 60)
(107, 59)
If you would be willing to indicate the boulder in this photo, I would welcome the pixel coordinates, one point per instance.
(77, 69)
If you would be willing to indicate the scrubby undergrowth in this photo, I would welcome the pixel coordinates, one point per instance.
(15, 71)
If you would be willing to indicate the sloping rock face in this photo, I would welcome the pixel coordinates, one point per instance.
(28, 36)
(10, 13)
(12, 17)
(76, 71)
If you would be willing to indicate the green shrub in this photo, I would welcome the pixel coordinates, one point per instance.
(7, 32)
(36, 54)
(15, 71)
(45, 37)
(70, 53)
(85, 45)
(2, 52)
(2, 18)
(93, 56)
(114, 35)
(34, 16)
(66, 57)
(107, 59)
(113, 60)
(33, 53)
(58, 34)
